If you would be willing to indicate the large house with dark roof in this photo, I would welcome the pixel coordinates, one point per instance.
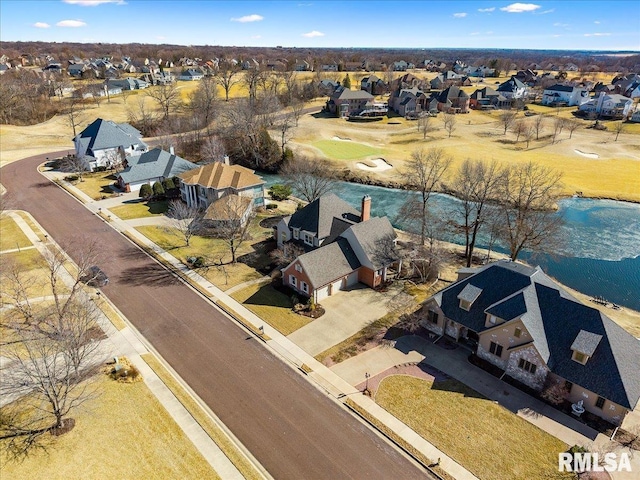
(564, 95)
(344, 102)
(518, 319)
(150, 167)
(343, 247)
(106, 144)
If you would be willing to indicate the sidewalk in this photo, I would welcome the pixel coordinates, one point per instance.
(127, 342)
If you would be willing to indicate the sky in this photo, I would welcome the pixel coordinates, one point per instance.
(557, 25)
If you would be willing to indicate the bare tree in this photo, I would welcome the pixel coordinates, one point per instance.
(287, 254)
(528, 193)
(528, 132)
(186, 221)
(167, 96)
(506, 119)
(74, 112)
(538, 124)
(558, 125)
(425, 125)
(618, 128)
(572, 125)
(475, 184)
(449, 120)
(309, 177)
(203, 102)
(297, 107)
(519, 127)
(142, 116)
(229, 221)
(423, 172)
(252, 79)
(212, 150)
(74, 164)
(284, 125)
(227, 76)
(53, 349)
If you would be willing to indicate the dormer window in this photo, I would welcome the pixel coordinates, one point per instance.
(296, 233)
(468, 295)
(579, 357)
(308, 239)
(584, 346)
(517, 332)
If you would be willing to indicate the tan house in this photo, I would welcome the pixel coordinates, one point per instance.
(518, 319)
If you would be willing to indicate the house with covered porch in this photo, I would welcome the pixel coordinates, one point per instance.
(518, 319)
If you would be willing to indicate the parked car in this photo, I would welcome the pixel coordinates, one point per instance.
(95, 277)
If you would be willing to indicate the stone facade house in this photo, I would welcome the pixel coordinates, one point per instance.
(452, 100)
(343, 247)
(516, 318)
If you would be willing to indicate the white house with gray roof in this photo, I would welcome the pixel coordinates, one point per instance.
(569, 95)
(343, 247)
(518, 319)
(106, 144)
(150, 167)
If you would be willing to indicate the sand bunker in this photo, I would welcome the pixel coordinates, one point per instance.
(340, 138)
(380, 165)
(586, 154)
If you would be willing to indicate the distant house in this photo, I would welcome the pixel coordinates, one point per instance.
(488, 99)
(329, 67)
(191, 74)
(373, 85)
(449, 78)
(343, 247)
(302, 66)
(519, 320)
(77, 70)
(513, 89)
(452, 100)
(407, 101)
(607, 106)
(128, 83)
(203, 186)
(480, 72)
(401, 66)
(528, 76)
(150, 167)
(628, 85)
(344, 102)
(104, 144)
(568, 95)
(327, 87)
(408, 80)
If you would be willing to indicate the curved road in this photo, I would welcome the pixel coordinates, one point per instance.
(293, 429)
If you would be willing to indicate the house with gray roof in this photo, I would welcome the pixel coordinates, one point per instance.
(565, 95)
(150, 167)
(517, 318)
(345, 102)
(106, 144)
(343, 247)
(513, 89)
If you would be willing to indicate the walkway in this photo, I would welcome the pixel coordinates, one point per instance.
(127, 342)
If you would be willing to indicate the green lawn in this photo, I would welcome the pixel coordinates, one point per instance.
(272, 306)
(484, 437)
(140, 209)
(10, 235)
(345, 150)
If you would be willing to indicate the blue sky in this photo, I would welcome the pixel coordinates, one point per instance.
(564, 25)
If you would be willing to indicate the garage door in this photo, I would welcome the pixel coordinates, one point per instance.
(335, 287)
(322, 293)
(352, 279)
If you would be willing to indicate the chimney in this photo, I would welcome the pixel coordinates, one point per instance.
(171, 150)
(226, 160)
(366, 208)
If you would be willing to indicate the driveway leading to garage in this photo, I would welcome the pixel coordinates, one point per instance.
(346, 313)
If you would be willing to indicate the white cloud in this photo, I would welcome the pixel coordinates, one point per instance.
(520, 7)
(597, 34)
(312, 34)
(41, 25)
(248, 18)
(257, 36)
(546, 11)
(486, 10)
(93, 3)
(489, 32)
(597, 22)
(71, 23)
(460, 15)
(558, 24)
(474, 33)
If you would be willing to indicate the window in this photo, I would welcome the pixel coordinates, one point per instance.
(495, 349)
(308, 239)
(293, 281)
(298, 267)
(492, 319)
(527, 366)
(465, 305)
(433, 317)
(579, 357)
(296, 233)
(600, 402)
(305, 287)
(517, 332)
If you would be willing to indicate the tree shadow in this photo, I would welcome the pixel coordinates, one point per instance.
(268, 296)
(150, 275)
(259, 258)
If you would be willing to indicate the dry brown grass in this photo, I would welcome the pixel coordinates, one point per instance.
(11, 236)
(96, 185)
(124, 434)
(482, 436)
(204, 420)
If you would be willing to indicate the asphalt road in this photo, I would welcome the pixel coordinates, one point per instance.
(293, 429)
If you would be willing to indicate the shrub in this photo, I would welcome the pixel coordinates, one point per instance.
(280, 192)
(271, 206)
(168, 184)
(100, 169)
(145, 191)
(158, 189)
(72, 178)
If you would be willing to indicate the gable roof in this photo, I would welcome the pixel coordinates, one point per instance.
(328, 263)
(318, 216)
(347, 94)
(229, 207)
(451, 92)
(154, 164)
(220, 175)
(511, 85)
(369, 235)
(555, 321)
(102, 134)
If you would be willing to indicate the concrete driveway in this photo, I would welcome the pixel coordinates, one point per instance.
(346, 313)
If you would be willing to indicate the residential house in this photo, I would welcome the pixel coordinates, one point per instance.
(104, 144)
(77, 70)
(459, 66)
(327, 87)
(203, 186)
(374, 66)
(607, 106)
(452, 100)
(343, 246)
(402, 66)
(351, 66)
(408, 80)
(517, 318)
(150, 167)
(528, 76)
(567, 95)
(488, 99)
(449, 78)
(628, 85)
(344, 102)
(230, 210)
(513, 89)
(191, 74)
(373, 85)
(635, 116)
(128, 83)
(479, 72)
(302, 66)
(329, 67)
(408, 101)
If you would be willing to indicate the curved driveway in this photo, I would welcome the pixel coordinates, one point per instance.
(293, 429)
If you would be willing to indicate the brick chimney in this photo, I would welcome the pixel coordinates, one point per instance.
(365, 211)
